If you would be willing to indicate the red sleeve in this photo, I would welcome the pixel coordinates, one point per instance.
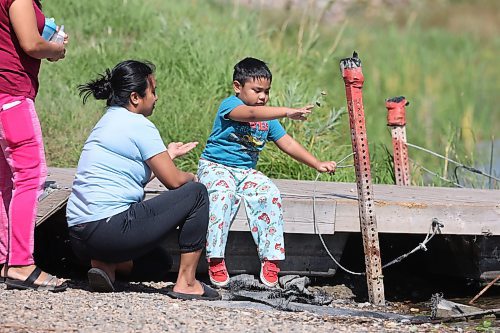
(6, 4)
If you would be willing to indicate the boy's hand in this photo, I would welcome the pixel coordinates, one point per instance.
(328, 166)
(299, 114)
(177, 149)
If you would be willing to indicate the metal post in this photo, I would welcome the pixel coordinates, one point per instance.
(396, 119)
(353, 79)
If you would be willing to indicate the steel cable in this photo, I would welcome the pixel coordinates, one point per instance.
(435, 227)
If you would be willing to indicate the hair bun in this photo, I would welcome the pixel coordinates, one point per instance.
(102, 87)
(107, 81)
(106, 87)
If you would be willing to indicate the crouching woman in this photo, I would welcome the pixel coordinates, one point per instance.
(109, 222)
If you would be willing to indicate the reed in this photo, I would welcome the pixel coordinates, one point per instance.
(449, 77)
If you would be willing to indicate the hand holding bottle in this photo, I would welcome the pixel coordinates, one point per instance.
(60, 38)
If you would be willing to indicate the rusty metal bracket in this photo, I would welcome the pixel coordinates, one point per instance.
(396, 119)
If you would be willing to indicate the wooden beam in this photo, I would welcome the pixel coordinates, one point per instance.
(298, 216)
(400, 209)
(53, 202)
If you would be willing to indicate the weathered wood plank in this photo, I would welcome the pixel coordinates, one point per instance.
(408, 209)
(50, 204)
(298, 216)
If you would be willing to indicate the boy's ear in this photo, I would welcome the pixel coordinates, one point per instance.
(237, 86)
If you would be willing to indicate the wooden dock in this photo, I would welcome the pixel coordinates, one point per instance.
(406, 210)
(401, 211)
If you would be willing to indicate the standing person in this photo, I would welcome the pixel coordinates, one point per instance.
(22, 157)
(109, 223)
(242, 127)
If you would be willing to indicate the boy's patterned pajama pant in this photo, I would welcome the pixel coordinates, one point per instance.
(227, 186)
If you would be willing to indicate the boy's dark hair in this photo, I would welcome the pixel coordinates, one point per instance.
(116, 85)
(251, 68)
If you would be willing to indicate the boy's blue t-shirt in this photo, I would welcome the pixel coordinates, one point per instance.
(238, 144)
(112, 172)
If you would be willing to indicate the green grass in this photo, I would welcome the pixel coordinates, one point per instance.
(450, 76)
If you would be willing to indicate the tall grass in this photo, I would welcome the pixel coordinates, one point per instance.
(450, 78)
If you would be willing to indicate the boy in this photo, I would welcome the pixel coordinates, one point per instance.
(241, 128)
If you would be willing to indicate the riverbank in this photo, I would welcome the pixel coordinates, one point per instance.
(144, 307)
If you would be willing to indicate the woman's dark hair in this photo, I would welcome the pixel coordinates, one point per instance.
(116, 85)
(39, 4)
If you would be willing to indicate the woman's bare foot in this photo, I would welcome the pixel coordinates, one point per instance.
(111, 269)
(21, 273)
(193, 288)
(186, 277)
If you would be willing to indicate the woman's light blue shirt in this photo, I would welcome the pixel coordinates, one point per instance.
(112, 172)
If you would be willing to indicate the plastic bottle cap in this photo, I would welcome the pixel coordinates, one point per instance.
(61, 31)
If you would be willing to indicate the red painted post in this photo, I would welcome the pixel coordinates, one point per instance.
(353, 79)
(396, 119)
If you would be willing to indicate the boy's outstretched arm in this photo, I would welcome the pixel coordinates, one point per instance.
(290, 146)
(247, 113)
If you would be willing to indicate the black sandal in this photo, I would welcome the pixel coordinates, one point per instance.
(209, 294)
(99, 281)
(49, 283)
(2, 278)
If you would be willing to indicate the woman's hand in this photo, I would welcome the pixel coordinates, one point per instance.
(23, 19)
(328, 166)
(59, 56)
(65, 42)
(177, 149)
(195, 177)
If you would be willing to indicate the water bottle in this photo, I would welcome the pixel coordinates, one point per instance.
(58, 37)
(49, 28)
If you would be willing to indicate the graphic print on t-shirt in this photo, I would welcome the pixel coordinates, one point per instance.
(251, 136)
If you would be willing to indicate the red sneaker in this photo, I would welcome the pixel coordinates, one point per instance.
(269, 273)
(217, 272)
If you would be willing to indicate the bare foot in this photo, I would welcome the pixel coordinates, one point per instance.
(125, 268)
(22, 272)
(194, 288)
(111, 269)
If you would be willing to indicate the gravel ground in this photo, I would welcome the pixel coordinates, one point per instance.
(146, 308)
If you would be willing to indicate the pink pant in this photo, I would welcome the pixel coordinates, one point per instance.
(22, 175)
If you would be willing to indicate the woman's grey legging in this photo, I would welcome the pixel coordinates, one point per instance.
(145, 225)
